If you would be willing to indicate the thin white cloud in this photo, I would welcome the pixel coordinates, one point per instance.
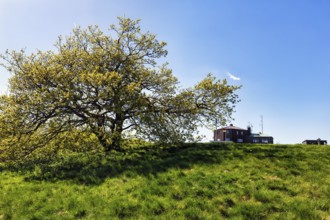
(233, 77)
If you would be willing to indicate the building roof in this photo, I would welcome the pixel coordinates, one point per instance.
(232, 127)
(260, 135)
(315, 140)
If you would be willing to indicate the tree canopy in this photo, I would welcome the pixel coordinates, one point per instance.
(111, 85)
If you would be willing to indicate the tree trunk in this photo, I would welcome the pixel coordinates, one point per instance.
(114, 143)
(103, 141)
(117, 134)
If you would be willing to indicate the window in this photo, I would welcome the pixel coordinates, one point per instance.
(228, 134)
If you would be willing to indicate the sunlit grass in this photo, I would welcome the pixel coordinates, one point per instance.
(194, 181)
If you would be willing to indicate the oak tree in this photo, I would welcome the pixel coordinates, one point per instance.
(111, 85)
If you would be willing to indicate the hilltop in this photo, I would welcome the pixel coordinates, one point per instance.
(192, 181)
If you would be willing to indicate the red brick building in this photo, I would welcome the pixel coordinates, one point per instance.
(230, 133)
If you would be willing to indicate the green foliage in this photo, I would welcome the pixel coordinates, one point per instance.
(107, 84)
(192, 181)
(28, 153)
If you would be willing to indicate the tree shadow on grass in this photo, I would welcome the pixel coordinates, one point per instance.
(94, 169)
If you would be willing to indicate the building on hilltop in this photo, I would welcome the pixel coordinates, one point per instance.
(259, 138)
(240, 135)
(230, 133)
(315, 142)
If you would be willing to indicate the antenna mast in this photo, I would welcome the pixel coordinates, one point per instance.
(262, 124)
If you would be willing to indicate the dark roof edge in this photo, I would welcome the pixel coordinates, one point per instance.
(232, 128)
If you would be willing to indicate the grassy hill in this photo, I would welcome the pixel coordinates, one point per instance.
(193, 181)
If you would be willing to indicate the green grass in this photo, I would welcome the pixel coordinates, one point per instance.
(193, 181)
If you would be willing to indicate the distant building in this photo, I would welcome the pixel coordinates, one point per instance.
(259, 138)
(315, 142)
(230, 133)
(240, 135)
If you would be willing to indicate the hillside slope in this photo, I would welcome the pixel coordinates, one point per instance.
(193, 181)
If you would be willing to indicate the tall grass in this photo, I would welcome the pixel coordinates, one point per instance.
(192, 181)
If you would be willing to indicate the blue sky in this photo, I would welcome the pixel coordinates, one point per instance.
(280, 50)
